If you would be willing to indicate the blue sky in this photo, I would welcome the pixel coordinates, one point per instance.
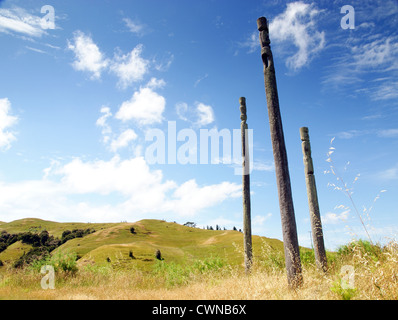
(78, 99)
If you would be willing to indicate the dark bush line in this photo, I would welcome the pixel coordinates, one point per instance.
(42, 243)
(76, 233)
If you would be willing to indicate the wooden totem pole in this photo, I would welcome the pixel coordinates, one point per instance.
(315, 217)
(289, 229)
(247, 230)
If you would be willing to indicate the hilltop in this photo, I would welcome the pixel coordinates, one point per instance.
(133, 245)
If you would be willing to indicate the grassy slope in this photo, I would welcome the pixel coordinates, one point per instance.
(177, 243)
(14, 251)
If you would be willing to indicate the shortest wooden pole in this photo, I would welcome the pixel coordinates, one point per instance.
(316, 224)
(247, 229)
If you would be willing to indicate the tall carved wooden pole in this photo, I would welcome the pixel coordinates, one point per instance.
(247, 229)
(316, 224)
(289, 230)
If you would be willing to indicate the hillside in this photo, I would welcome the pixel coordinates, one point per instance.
(115, 243)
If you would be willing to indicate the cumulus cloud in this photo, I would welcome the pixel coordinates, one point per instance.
(131, 188)
(123, 140)
(88, 56)
(191, 198)
(145, 107)
(130, 67)
(6, 122)
(297, 25)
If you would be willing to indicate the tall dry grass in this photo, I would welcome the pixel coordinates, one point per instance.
(375, 277)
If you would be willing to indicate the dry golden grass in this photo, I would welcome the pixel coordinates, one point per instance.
(376, 277)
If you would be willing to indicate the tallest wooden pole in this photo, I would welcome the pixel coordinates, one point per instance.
(289, 230)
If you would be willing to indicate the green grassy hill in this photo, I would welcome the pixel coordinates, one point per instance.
(14, 251)
(114, 242)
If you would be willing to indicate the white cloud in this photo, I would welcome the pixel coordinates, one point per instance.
(133, 26)
(190, 198)
(205, 114)
(297, 24)
(385, 91)
(130, 67)
(164, 63)
(259, 220)
(19, 21)
(351, 134)
(368, 55)
(6, 121)
(200, 80)
(199, 115)
(103, 177)
(182, 109)
(122, 189)
(389, 174)
(335, 218)
(88, 56)
(263, 166)
(156, 83)
(388, 133)
(102, 122)
(123, 140)
(252, 42)
(380, 53)
(145, 107)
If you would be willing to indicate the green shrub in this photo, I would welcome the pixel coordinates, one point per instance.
(363, 247)
(208, 264)
(307, 257)
(60, 261)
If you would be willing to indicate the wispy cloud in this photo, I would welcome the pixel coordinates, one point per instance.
(349, 134)
(388, 133)
(18, 20)
(335, 218)
(251, 42)
(35, 50)
(263, 166)
(103, 123)
(134, 26)
(381, 133)
(201, 79)
(367, 59)
(297, 26)
(389, 174)
(199, 115)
